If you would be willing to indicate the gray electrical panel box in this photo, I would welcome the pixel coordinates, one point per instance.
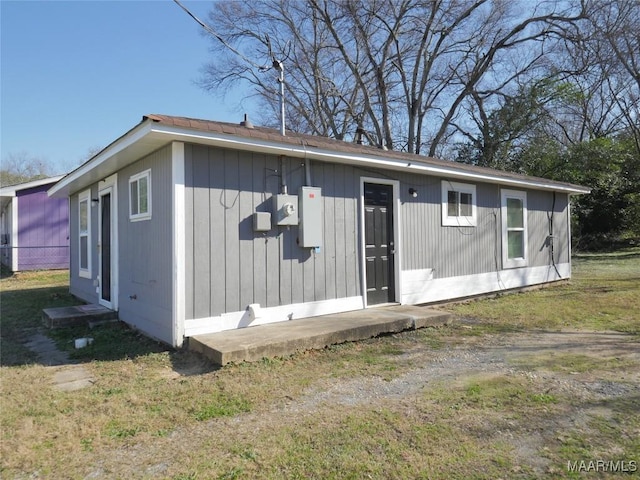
(285, 209)
(311, 221)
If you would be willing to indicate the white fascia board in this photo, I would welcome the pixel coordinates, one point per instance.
(314, 153)
(105, 163)
(149, 136)
(11, 190)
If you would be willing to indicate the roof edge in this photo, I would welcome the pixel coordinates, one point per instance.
(159, 130)
(369, 159)
(10, 190)
(139, 131)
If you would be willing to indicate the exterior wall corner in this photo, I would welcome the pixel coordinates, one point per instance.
(178, 241)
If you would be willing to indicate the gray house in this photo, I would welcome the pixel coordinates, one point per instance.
(188, 226)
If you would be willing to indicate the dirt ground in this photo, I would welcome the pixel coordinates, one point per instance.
(546, 359)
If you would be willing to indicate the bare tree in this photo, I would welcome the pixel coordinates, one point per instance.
(613, 43)
(21, 167)
(398, 70)
(585, 87)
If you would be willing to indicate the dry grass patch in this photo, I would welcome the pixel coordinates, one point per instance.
(578, 363)
(604, 294)
(454, 403)
(22, 298)
(390, 441)
(141, 399)
(447, 431)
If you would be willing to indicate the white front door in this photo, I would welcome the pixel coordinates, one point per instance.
(108, 244)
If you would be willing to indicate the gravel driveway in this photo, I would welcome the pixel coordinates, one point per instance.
(514, 355)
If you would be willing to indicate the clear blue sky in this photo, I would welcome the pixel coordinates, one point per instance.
(75, 75)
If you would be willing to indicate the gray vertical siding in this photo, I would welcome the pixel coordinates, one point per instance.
(449, 251)
(145, 251)
(541, 210)
(456, 251)
(229, 266)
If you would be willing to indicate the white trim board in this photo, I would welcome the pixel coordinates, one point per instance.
(15, 240)
(336, 156)
(397, 235)
(88, 272)
(283, 313)
(179, 289)
(422, 289)
(110, 186)
(518, 261)
(149, 135)
(11, 190)
(419, 286)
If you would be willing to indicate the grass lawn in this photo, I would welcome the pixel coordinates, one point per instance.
(602, 295)
(158, 413)
(23, 296)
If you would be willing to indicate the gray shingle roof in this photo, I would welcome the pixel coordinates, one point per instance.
(338, 146)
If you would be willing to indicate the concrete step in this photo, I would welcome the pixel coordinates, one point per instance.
(423, 317)
(82, 315)
(286, 338)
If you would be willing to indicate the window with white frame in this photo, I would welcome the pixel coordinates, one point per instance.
(514, 229)
(458, 204)
(84, 234)
(140, 196)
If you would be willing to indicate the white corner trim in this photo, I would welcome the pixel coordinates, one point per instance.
(283, 313)
(423, 290)
(569, 245)
(15, 240)
(179, 242)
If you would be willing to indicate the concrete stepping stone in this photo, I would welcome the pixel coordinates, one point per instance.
(67, 376)
(72, 377)
(47, 351)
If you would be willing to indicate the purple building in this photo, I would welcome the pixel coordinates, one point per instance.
(34, 228)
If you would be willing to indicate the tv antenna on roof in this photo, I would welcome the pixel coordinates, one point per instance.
(277, 64)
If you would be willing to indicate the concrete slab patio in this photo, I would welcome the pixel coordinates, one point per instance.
(285, 338)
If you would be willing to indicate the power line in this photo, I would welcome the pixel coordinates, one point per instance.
(278, 65)
(222, 40)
